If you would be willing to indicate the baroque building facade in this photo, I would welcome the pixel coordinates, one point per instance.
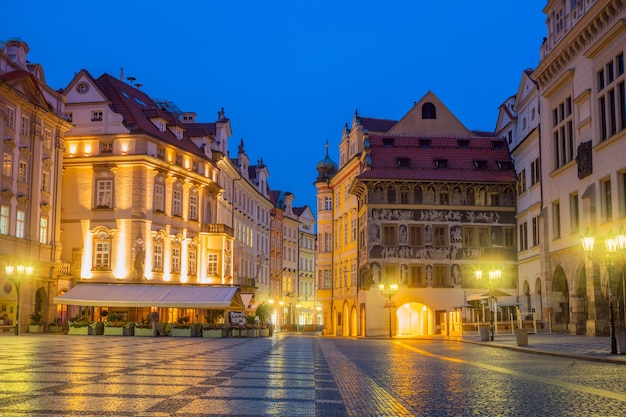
(580, 79)
(422, 203)
(32, 133)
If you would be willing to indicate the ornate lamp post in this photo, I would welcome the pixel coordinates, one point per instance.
(17, 274)
(494, 275)
(389, 291)
(612, 245)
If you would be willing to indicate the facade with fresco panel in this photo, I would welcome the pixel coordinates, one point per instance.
(432, 203)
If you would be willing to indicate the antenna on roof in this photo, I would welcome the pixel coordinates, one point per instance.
(131, 79)
(138, 85)
(122, 74)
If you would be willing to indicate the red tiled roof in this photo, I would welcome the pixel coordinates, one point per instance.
(137, 108)
(377, 125)
(422, 164)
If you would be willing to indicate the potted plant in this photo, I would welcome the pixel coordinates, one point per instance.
(114, 326)
(78, 325)
(56, 325)
(181, 328)
(212, 330)
(35, 322)
(143, 328)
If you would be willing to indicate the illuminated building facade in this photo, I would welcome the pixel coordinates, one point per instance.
(422, 203)
(580, 79)
(140, 193)
(32, 132)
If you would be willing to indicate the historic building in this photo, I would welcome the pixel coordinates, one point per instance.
(308, 311)
(581, 79)
(421, 203)
(518, 122)
(32, 132)
(140, 200)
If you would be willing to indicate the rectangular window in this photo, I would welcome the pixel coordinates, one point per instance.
(605, 199)
(523, 236)
(404, 196)
(622, 193)
(25, 126)
(416, 276)
(469, 237)
(43, 230)
(159, 197)
(211, 265)
(442, 276)
(509, 237)
(193, 207)
(556, 220)
(193, 263)
(353, 230)
(535, 231)
(22, 173)
(484, 238)
(10, 118)
(175, 260)
(102, 255)
(611, 96)
(47, 139)
(20, 223)
(574, 213)
(7, 165)
(106, 148)
(45, 182)
(4, 220)
(69, 117)
(328, 280)
(345, 232)
(157, 259)
(390, 235)
(96, 116)
(416, 235)
(534, 172)
(562, 132)
(328, 242)
(328, 203)
(104, 194)
(177, 200)
(440, 236)
(521, 182)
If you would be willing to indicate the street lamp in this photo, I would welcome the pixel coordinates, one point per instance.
(17, 274)
(389, 291)
(612, 245)
(494, 275)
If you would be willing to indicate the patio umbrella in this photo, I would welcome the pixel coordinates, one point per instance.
(497, 293)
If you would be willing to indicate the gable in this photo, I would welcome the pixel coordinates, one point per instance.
(430, 117)
(83, 89)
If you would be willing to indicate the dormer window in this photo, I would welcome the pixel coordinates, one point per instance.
(480, 164)
(505, 165)
(388, 142)
(403, 162)
(463, 144)
(497, 144)
(441, 163)
(96, 116)
(425, 143)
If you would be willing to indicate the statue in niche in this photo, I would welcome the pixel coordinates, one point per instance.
(139, 251)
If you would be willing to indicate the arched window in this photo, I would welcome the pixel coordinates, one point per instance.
(429, 111)
(417, 195)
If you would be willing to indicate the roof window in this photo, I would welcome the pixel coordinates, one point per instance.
(463, 143)
(403, 162)
(480, 164)
(425, 143)
(497, 144)
(441, 163)
(388, 142)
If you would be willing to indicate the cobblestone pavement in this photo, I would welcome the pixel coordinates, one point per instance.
(296, 375)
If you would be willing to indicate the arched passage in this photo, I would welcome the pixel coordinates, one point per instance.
(354, 321)
(560, 300)
(414, 319)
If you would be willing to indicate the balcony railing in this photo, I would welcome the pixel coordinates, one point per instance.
(218, 228)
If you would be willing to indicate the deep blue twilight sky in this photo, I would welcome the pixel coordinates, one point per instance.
(290, 74)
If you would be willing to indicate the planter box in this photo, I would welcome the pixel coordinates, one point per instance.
(79, 330)
(35, 328)
(176, 332)
(55, 329)
(113, 331)
(212, 333)
(139, 331)
(264, 332)
(252, 332)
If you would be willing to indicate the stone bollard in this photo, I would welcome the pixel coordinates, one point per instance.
(522, 337)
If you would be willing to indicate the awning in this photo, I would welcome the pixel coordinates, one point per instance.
(128, 295)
